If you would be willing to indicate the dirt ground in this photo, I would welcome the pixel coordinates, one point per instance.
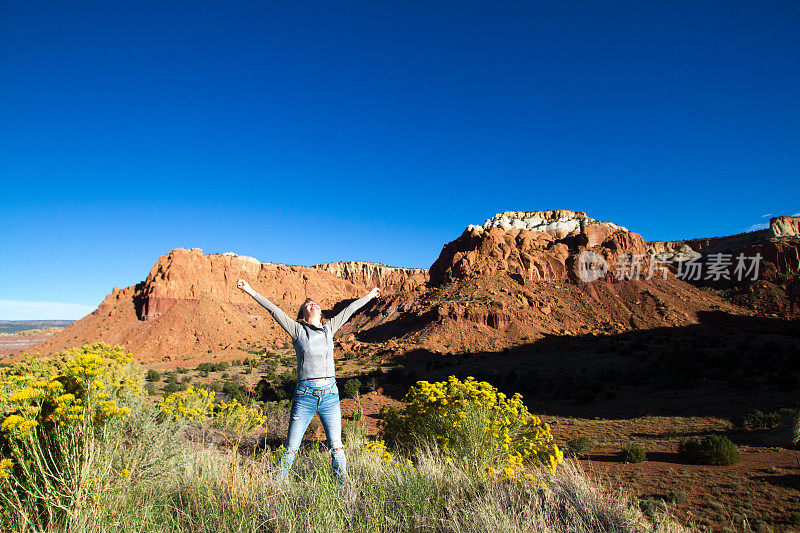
(761, 491)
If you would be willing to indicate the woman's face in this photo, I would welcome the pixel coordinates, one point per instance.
(312, 311)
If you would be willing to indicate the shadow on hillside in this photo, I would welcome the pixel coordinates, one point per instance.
(724, 366)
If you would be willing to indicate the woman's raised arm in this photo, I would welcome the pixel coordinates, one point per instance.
(291, 326)
(345, 314)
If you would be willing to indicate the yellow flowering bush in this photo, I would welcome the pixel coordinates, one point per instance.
(473, 422)
(378, 448)
(196, 404)
(51, 411)
(190, 404)
(234, 416)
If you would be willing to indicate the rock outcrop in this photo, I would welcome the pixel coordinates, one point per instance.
(534, 246)
(368, 274)
(559, 222)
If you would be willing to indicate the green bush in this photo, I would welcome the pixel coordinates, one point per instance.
(578, 446)
(758, 420)
(153, 375)
(710, 450)
(633, 453)
(676, 496)
(351, 388)
(212, 367)
(173, 386)
(234, 391)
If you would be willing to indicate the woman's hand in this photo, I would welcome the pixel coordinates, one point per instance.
(242, 284)
(375, 292)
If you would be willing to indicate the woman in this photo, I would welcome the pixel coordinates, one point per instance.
(316, 390)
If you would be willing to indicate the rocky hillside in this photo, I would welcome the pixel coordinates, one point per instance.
(517, 277)
(189, 306)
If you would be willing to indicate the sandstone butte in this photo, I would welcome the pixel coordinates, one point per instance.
(513, 279)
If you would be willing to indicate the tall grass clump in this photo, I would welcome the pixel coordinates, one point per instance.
(471, 422)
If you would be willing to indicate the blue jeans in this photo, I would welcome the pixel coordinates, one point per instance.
(304, 405)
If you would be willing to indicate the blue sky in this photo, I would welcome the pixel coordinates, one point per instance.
(302, 132)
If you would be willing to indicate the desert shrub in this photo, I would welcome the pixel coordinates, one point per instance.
(651, 506)
(676, 496)
(633, 453)
(474, 424)
(358, 411)
(172, 387)
(269, 370)
(233, 416)
(212, 367)
(153, 375)
(351, 388)
(286, 381)
(759, 420)
(371, 384)
(54, 414)
(710, 450)
(191, 404)
(234, 390)
(578, 446)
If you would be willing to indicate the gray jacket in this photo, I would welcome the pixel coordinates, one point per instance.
(312, 345)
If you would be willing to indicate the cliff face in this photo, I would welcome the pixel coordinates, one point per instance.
(377, 275)
(189, 275)
(533, 246)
